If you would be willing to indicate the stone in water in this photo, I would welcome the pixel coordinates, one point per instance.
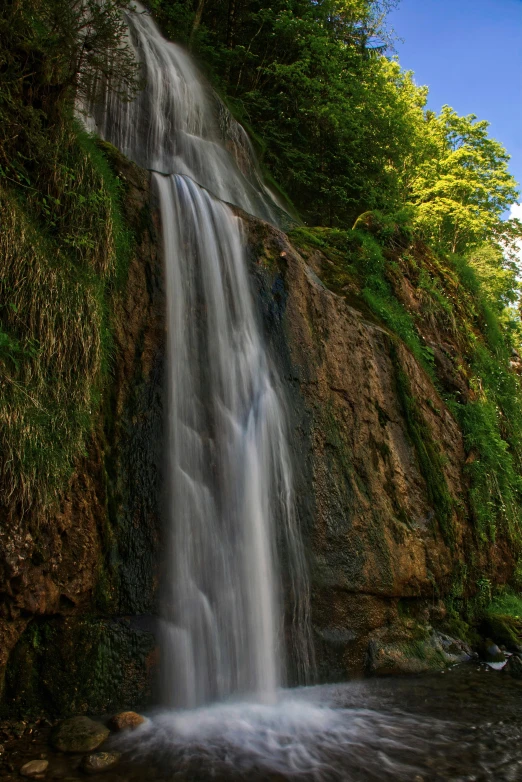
(34, 768)
(79, 734)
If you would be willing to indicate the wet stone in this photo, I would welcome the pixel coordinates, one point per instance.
(126, 720)
(35, 768)
(79, 734)
(514, 667)
(490, 652)
(99, 761)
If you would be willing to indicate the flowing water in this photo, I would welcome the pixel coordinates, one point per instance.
(231, 503)
(178, 125)
(229, 473)
(229, 468)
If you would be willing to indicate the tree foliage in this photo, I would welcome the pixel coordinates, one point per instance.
(334, 117)
(340, 125)
(52, 53)
(462, 187)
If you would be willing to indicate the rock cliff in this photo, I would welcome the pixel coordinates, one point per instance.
(380, 485)
(380, 466)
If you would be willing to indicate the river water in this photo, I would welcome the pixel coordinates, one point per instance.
(463, 725)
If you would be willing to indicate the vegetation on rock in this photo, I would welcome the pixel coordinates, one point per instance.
(63, 244)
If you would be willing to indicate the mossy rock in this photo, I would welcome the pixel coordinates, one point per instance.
(514, 667)
(503, 629)
(79, 734)
(99, 762)
(46, 673)
(490, 652)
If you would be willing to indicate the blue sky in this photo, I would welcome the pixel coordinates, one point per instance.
(469, 53)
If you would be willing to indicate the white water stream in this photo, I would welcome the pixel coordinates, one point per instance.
(229, 472)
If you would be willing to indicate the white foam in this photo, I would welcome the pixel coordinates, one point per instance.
(297, 738)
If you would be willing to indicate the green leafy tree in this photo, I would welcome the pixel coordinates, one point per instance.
(499, 275)
(53, 52)
(463, 187)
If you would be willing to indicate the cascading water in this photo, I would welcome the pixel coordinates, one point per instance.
(229, 467)
(178, 125)
(230, 481)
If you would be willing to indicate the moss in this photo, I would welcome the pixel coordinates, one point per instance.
(62, 667)
(64, 252)
(362, 258)
(492, 426)
(505, 630)
(429, 457)
(422, 650)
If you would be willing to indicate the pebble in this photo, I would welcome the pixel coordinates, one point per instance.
(99, 761)
(126, 720)
(34, 768)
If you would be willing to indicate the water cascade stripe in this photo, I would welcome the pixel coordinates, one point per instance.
(231, 504)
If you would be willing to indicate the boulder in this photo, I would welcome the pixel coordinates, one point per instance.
(453, 650)
(79, 734)
(504, 630)
(126, 720)
(514, 667)
(490, 652)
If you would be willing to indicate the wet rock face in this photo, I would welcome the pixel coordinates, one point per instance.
(375, 533)
(96, 556)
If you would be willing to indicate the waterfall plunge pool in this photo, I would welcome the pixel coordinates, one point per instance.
(463, 725)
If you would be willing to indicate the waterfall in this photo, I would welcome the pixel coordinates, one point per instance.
(178, 125)
(231, 504)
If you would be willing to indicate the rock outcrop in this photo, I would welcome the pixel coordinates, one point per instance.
(383, 536)
(383, 548)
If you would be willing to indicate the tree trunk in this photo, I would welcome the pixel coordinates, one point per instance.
(197, 19)
(231, 27)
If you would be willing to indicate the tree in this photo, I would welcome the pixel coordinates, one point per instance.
(53, 52)
(498, 274)
(463, 187)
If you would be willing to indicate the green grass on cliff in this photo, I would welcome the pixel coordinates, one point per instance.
(375, 260)
(359, 257)
(491, 419)
(63, 254)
